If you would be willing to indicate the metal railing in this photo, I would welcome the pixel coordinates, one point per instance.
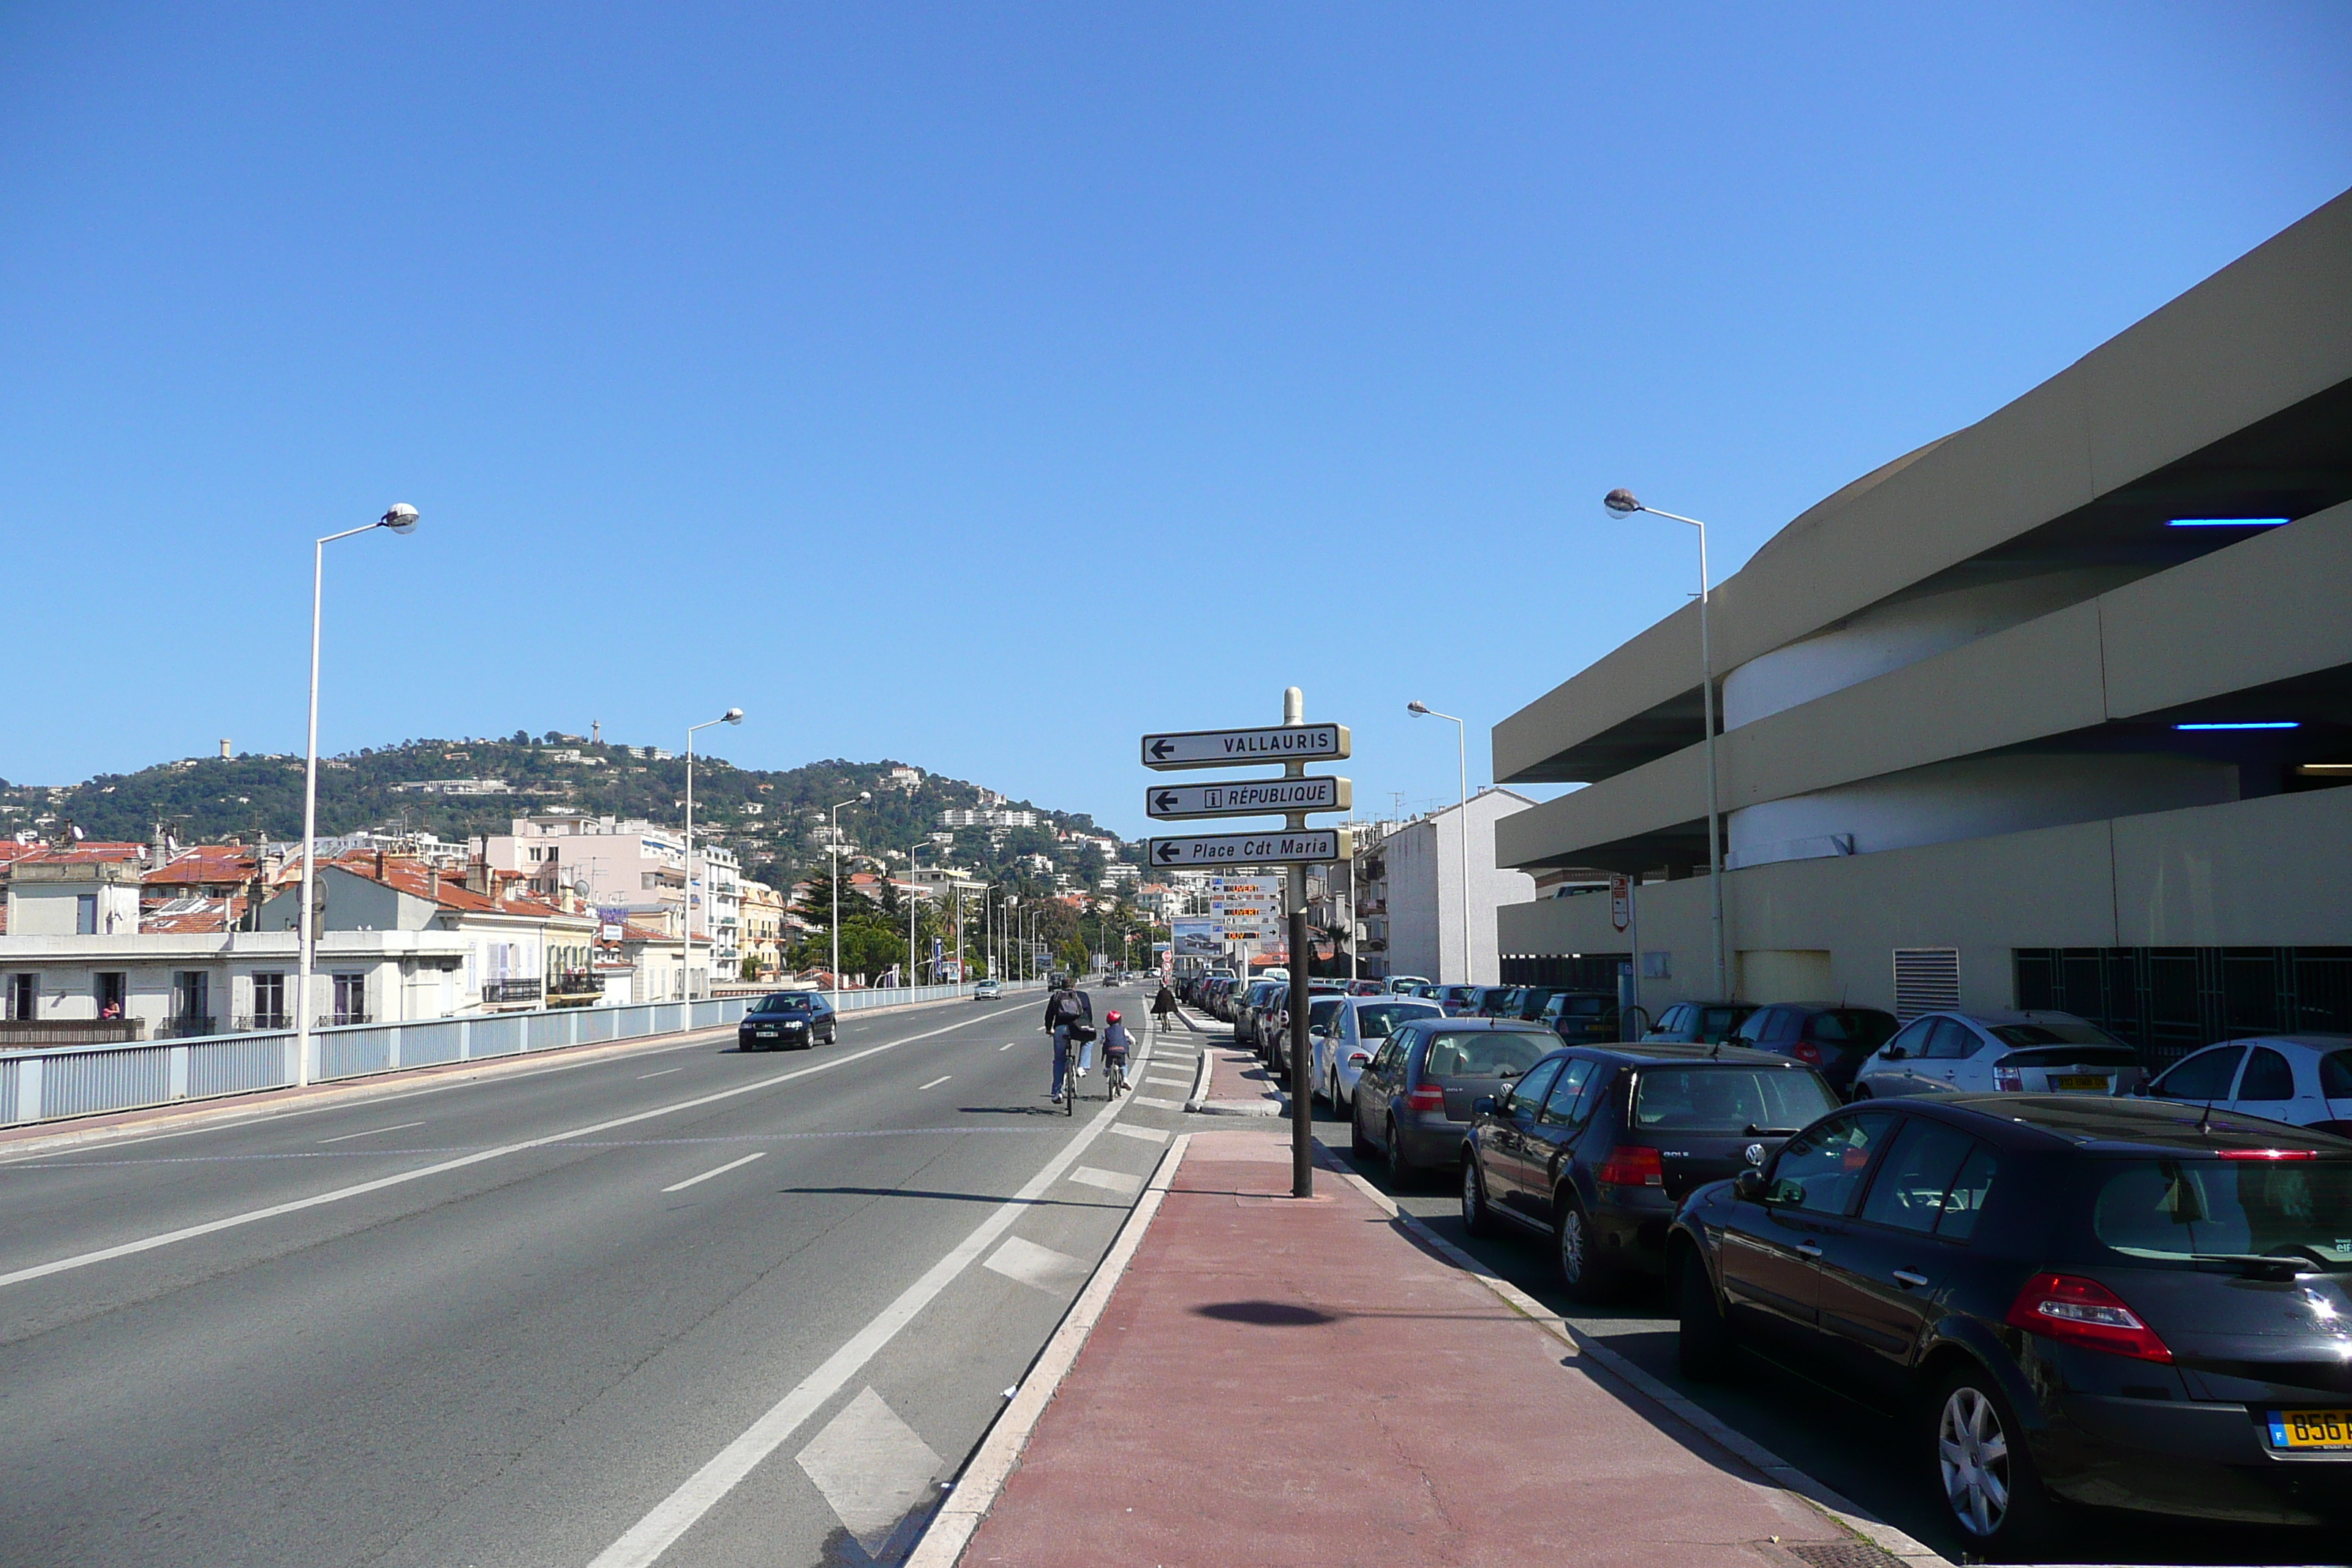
(46, 1084)
(510, 991)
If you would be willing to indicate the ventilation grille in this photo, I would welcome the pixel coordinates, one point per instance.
(1842, 1554)
(1927, 980)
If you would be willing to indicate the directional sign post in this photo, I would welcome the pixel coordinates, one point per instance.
(1249, 797)
(1247, 748)
(1274, 847)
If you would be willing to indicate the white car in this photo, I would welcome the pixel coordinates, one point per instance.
(1405, 984)
(1999, 1053)
(2305, 1079)
(986, 991)
(1345, 1032)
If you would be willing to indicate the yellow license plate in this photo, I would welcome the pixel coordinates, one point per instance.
(2081, 1083)
(2311, 1428)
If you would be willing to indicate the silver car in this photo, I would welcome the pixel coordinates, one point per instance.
(1999, 1053)
(1344, 1032)
(2305, 1079)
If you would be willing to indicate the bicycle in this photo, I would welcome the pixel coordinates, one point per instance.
(1114, 1077)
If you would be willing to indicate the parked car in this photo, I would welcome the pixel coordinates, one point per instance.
(1246, 1008)
(1411, 1104)
(986, 991)
(2008, 1053)
(1346, 1030)
(2302, 1079)
(1527, 1002)
(1596, 1146)
(1407, 984)
(2120, 1302)
(1578, 1016)
(1459, 1001)
(782, 1019)
(1708, 1023)
(1820, 1034)
(1274, 1027)
(1497, 1002)
(1366, 988)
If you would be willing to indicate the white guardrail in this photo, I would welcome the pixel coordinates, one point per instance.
(85, 1080)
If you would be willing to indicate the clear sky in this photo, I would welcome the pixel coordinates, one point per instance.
(981, 385)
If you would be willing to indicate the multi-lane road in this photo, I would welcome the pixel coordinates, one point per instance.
(673, 1303)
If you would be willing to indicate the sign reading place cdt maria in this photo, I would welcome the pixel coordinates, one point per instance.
(1277, 847)
(1241, 748)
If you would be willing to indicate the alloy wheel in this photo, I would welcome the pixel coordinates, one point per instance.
(1972, 1452)
(1574, 1245)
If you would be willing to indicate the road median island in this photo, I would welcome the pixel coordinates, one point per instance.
(1231, 1082)
(1275, 1381)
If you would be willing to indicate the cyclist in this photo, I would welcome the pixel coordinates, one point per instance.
(1070, 1013)
(1115, 1043)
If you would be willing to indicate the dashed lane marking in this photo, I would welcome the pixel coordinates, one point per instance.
(1039, 1267)
(664, 1073)
(876, 1472)
(718, 1171)
(396, 1127)
(936, 1081)
(1108, 1181)
(1149, 1134)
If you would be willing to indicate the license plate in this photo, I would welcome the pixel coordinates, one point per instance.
(2311, 1428)
(2081, 1083)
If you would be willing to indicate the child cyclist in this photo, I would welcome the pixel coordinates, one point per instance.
(1115, 1046)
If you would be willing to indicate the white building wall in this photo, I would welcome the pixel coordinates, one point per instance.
(1425, 892)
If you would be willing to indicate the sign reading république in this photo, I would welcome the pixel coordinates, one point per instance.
(1249, 797)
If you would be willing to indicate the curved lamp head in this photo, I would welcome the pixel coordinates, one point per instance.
(401, 517)
(732, 716)
(1621, 503)
(1417, 709)
(865, 794)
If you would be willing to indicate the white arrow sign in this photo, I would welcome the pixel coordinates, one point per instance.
(1308, 845)
(1241, 748)
(1249, 797)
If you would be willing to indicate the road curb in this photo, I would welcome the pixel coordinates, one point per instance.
(1774, 1468)
(1201, 1074)
(982, 1479)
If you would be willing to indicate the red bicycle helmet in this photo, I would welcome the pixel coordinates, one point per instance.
(1110, 1017)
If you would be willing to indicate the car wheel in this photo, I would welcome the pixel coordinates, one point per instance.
(1578, 1251)
(1704, 1346)
(1400, 1167)
(1475, 1217)
(1983, 1470)
(1358, 1144)
(1862, 1091)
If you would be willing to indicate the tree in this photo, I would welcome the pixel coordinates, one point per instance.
(1072, 955)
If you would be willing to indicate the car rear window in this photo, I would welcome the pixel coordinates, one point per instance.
(1853, 1026)
(1485, 1053)
(1727, 1099)
(1320, 1012)
(2173, 1210)
(2335, 1075)
(2059, 1032)
(1583, 1006)
(1380, 1019)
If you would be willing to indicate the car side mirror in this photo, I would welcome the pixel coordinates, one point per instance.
(1748, 1185)
(2139, 1090)
(1895, 1053)
(1484, 1105)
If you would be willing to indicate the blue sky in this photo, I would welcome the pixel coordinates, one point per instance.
(980, 387)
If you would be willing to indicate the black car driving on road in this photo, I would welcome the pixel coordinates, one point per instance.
(785, 1019)
(1594, 1146)
(2080, 1302)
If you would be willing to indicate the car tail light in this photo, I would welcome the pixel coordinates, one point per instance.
(2079, 1311)
(2269, 1155)
(1808, 1053)
(1428, 1097)
(1634, 1165)
(2007, 1079)
(1357, 1059)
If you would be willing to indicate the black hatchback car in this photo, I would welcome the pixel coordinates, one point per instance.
(2111, 1303)
(1413, 1102)
(787, 1018)
(1836, 1039)
(1595, 1145)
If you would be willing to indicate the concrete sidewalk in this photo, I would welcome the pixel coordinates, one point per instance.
(1238, 1084)
(1279, 1380)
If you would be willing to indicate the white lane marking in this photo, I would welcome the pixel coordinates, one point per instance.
(1008, 1044)
(675, 1514)
(876, 1471)
(1149, 1134)
(399, 1178)
(1039, 1267)
(719, 1171)
(1108, 1181)
(1133, 1099)
(396, 1127)
(664, 1073)
(936, 1081)
(1174, 1082)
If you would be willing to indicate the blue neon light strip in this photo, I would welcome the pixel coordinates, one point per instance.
(2227, 522)
(2248, 724)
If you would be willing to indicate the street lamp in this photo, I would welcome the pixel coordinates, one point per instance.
(401, 517)
(732, 716)
(1621, 503)
(1461, 756)
(833, 843)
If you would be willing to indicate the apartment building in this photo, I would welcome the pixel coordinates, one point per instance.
(2054, 711)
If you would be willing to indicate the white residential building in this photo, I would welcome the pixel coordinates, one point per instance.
(1412, 890)
(636, 867)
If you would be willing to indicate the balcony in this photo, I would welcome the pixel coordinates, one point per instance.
(261, 1023)
(189, 1026)
(575, 983)
(495, 992)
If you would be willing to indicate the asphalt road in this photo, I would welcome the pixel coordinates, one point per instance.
(680, 1304)
(1877, 1462)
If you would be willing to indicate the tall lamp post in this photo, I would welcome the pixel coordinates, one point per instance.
(401, 517)
(732, 716)
(1462, 757)
(833, 842)
(914, 891)
(1622, 504)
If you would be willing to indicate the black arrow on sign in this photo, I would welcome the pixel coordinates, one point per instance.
(1164, 801)
(1160, 749)
(1169, 852)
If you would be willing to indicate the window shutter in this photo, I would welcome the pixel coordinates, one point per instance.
(1927, 980)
